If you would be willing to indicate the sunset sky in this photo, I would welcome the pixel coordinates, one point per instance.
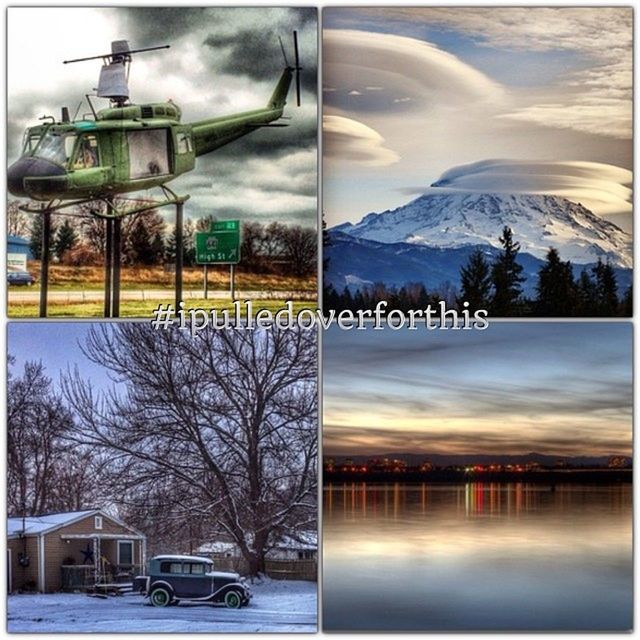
(412, 93)
(554, 388)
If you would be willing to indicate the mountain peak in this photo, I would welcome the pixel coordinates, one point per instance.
(448, 219)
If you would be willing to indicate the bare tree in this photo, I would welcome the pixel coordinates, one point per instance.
(45, 473)
(18, 223)
(301, 250)
(229, 419)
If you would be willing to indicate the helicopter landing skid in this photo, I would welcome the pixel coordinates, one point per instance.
(111, 211)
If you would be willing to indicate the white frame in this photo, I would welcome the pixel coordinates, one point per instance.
(133, 551)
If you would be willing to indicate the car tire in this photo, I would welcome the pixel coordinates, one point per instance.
(232, 600)
(160, 597)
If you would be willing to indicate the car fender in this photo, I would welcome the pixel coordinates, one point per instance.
(161, 583)
(233, 586)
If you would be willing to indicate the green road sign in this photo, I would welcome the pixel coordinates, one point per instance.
(219, 245)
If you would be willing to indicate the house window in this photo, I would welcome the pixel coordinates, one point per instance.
(125, 552)
(98, 522)
(305, 555)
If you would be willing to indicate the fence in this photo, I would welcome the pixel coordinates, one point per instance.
(83, 576)
(276, 569)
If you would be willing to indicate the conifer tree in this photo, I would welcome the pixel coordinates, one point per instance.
(66, 238)
(506, 278)
(475, 282)
(606, 289)
(556, 289)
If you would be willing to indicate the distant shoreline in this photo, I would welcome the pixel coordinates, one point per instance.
(440, 476)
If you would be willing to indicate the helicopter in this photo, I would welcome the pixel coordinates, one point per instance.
(128, 147)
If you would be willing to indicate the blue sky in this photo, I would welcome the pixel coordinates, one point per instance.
(558, 388)
(57, 345)
(410, 93)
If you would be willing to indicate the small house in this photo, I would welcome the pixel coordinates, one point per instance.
(72, 551)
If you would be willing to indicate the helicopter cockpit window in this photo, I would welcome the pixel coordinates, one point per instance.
(148, 153)
(56, 147)
(30, 142)
(184, 142)
(87, 154)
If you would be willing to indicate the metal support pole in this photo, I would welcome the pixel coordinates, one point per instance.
(44, 261)
(233, 282)
(108, 262)
(117, 247)
(206, 281)
(179, 253)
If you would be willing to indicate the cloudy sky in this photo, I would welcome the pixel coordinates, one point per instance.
(514, 388)
(413, 93)
(221, 61)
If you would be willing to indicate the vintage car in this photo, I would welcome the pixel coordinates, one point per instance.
(191, 579)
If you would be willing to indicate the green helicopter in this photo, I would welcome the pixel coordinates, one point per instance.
(128, 147)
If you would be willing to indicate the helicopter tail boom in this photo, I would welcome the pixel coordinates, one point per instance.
(279, 96)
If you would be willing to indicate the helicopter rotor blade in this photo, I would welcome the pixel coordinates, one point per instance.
(284, 54)
(297, 67)
(112, 55)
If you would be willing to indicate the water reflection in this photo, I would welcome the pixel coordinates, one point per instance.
(477, 556)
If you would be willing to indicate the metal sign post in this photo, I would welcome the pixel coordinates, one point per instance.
(206, 281)
(233, 281)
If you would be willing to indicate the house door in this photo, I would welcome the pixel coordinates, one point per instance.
(125, 553)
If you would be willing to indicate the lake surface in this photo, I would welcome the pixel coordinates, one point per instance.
(477, 557)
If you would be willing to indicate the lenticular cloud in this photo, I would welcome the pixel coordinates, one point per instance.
(602, 188)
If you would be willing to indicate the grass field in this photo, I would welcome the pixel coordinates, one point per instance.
(63, 277)
(144, 309)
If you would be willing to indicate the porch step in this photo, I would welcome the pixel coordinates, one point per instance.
(115, 588)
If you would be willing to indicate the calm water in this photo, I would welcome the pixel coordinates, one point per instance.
(477, 556)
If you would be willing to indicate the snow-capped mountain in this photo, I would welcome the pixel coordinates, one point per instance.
(453, 219)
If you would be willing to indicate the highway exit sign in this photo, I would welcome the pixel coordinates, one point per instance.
(219, 245)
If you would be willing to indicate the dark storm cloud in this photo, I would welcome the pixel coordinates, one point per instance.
(252, 51)
(157, 25)
(256, 54)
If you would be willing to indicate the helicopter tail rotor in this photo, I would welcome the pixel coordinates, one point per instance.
(297, 68)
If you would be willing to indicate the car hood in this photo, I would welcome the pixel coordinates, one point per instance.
(225, 575)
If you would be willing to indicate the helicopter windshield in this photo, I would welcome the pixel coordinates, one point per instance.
(30, 142)
(56, 147)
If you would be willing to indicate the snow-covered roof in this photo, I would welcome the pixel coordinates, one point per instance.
(181, 558)
(34, 525)
(307, 540)
(217, 547)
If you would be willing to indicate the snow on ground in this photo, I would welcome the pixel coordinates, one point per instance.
(277, 606)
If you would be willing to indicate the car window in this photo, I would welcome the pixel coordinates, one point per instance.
(170, 567)
(197, 568)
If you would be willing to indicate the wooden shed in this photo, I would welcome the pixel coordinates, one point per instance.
(70, 551)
